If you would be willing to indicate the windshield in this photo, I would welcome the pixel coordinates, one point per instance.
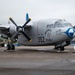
(66, 24)
(57, 24)
(62, 24)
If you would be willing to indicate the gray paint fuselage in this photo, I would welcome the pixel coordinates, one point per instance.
(44, 32)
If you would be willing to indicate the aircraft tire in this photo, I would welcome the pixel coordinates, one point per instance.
(13, 47)
(61, 48)
(8, 47)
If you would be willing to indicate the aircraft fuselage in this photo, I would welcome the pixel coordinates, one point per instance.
(46, 32)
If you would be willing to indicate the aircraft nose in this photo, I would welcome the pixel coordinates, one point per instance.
(70, 32)
(74, 33)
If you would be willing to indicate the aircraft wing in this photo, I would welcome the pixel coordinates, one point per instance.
(5, 26)
(4, 29)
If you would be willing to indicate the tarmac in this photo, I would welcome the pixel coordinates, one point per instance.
(28, 60)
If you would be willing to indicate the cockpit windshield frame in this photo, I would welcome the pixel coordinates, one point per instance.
(59, 24)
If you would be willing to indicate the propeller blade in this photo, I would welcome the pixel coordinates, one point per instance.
(26, 36)
(15, 35)
(27, 22)
(13, 21)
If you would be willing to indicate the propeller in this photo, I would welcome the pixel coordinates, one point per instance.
(20, 29)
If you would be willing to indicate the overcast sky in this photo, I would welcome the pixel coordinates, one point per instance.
(37, 9)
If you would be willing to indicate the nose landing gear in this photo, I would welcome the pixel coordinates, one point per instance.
(60, 48)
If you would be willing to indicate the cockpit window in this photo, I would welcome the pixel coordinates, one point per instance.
(57, 24)
(66, 24)
(62, 24)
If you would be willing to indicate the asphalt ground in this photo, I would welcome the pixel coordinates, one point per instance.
(28, 60)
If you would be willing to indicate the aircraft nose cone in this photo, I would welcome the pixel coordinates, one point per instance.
(70, 32)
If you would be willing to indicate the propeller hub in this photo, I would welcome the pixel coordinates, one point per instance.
(20, 28)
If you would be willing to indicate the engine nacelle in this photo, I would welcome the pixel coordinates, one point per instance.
(12, 29)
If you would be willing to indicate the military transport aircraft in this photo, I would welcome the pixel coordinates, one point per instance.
(55, 32)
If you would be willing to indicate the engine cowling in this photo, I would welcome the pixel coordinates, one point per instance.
(12, 30)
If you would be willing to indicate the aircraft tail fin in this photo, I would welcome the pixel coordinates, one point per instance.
(27, 16)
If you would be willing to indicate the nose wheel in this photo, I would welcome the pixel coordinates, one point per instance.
(61, 48)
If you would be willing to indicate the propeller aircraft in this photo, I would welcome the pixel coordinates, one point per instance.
(45, 32)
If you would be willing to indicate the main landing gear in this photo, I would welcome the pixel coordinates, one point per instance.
(10, 45)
